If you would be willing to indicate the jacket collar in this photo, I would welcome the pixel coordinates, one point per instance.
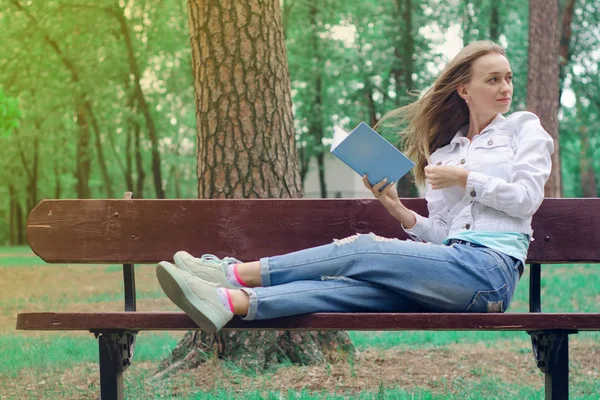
(462, 132)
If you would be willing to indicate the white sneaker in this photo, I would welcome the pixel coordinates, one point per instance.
(197, 298)
(209, 268)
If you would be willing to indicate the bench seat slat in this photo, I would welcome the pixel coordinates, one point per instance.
(320, 321)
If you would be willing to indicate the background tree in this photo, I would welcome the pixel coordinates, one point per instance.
(246, 149)
(543, 78)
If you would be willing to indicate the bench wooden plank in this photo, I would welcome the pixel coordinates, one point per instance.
(319, 321)
(148, 231)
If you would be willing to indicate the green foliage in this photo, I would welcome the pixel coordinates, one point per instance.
(9, 114)
(67, 71)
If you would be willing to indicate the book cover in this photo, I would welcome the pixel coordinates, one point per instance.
(367, 152)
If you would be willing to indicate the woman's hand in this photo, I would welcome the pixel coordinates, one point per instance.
(388, 197)
(444, 176)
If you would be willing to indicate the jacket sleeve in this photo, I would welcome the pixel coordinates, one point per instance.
(432, 229)
(523, 195)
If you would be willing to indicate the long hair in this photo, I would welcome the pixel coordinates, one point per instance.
(432, 121)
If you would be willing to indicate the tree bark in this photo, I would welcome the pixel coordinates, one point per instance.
(16, 234)
(405, 186)
(139, 162)
(543, 75)
(57, 184)
(316, 120)
(495, 20)
(467, 22)
(12, 222)
(141, 100)
(31, 173)
(586, 168)
(565, 42)
(82, 166)
(246, 149)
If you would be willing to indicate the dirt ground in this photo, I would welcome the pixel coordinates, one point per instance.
(444, 370)
(441, 370)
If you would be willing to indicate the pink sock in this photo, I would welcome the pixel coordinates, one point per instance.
(225, 297)
(233, 277)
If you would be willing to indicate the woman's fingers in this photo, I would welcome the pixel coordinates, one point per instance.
(388, 187)
(367, 183)
(379, 185)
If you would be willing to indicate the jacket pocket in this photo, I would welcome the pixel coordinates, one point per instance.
(489, 301)
(494, 149)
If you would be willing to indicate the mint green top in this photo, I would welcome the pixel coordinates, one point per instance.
(514, 244)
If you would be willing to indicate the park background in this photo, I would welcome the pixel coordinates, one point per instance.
(97, 98)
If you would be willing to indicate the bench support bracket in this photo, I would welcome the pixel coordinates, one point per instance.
(116, 354)
(551, 352)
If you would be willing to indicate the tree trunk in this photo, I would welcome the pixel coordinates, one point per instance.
(304, 159)
(405, 186)
(467, 21)
(565, 42)
(128, 170)
(16, 234)
(82, 158)
(586, 169)
(398, 66)
(57, 184)
(139, 162)
(316, 120)
(132, 127)
(12, 222)
(495, 20)
(542, 86)
(246, 149)
(31, 173)
(145, 108)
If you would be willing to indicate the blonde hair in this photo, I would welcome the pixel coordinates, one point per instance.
(432, 121)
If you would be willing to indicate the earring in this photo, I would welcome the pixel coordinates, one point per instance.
(466, 100)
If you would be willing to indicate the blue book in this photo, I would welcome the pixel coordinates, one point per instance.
(367, 152)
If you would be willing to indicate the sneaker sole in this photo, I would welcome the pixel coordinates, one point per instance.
(221, 282)
(179, 292)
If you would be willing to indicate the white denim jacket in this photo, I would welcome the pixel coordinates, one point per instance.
(509, 164)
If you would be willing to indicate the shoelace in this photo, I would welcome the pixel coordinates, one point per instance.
(215, 259)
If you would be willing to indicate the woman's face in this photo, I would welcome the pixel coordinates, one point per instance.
(490, 90)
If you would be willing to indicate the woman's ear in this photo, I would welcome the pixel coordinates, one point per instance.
(463, 91)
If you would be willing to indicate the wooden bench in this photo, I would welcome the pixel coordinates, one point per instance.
(147, 231)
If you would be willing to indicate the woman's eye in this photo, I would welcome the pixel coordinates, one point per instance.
(509, 78)
(493, 79)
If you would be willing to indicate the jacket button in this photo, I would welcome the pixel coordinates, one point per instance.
(467, 226)
(463, 161)
(473, 194)
(439, 163)
(491, 142)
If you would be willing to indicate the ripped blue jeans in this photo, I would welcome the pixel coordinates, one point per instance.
(369, 273)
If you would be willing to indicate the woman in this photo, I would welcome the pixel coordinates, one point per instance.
(485, 177)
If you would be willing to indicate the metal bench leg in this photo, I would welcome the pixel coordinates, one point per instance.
(116, 354)
(551, 352)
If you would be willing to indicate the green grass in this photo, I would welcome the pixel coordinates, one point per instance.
(565, 288)
(9, 306)
(486, 389)
(20, 261)
(53, 350)
(15, 249)
(562, 291)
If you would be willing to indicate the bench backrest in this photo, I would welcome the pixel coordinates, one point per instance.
(148, 231)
